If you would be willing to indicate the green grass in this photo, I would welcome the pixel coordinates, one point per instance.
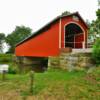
(53, 85)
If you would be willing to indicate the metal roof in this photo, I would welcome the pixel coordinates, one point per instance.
(48, 25)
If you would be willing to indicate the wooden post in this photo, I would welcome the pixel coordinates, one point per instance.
(3, 75)
(31, 81)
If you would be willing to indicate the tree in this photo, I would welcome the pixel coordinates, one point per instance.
(65, 13)
(20, 33)
(96, 51)
(94, 29)
(2, 38)
(98, 3)
(98, 11)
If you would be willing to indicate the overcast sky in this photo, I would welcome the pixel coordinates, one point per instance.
(36, 13)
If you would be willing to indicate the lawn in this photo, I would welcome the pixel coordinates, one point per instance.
(52, 85)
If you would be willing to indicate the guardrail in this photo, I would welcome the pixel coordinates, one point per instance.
(82, 44)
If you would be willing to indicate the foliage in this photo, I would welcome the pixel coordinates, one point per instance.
(6, 58)
(98, 13)
(65, 13)
(94, 27)
(98, 2)
(94, 30)
(19, 34)
(2, 38)
(9, 60)
(96, 51)
(12, 70)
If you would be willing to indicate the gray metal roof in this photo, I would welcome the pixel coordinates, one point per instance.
(48, 25)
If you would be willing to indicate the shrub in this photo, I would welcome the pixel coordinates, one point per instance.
(11, 71)
(5, 58)
(96, 51)
(13, 68)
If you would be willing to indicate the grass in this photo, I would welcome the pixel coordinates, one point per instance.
(52, 85)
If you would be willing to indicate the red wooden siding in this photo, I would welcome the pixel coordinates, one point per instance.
(67, 20)
(42, 45)
(49, 41)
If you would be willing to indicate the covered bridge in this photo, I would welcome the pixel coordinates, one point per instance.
(62, 32)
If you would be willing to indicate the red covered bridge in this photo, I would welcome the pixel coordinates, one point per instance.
(61, 32)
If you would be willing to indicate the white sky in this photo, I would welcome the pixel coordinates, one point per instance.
(36, 13)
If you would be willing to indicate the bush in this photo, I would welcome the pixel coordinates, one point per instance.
(11, 71)
(5, 58)
(13, 68)
(96, 51)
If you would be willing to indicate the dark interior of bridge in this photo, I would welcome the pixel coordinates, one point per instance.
(71, 30)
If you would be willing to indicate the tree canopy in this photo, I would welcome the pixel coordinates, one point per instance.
(94, 27)
(20, 33)
(2, 38)
(65, 13)
(96, 51)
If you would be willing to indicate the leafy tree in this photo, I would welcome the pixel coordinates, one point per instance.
(98, 13)
(20, 33)
(65, 13)
(98, 3)
(96, 51)
(2, 38)
(94, 30)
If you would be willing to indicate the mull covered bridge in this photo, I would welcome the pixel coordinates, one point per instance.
(68, 31)
(61, 32)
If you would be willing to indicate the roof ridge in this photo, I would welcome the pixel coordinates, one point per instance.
(49, 23)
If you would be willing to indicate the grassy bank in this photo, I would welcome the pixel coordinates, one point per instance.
(6, 58)
(9, 60)
(50, 85)
(53, 85)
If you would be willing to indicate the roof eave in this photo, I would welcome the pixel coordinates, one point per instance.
(55, 19)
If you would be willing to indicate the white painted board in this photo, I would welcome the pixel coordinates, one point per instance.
(4, 67)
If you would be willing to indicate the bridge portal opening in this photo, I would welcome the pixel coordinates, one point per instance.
(74, 36)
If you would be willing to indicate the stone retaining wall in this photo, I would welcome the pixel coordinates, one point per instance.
(71, 60)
